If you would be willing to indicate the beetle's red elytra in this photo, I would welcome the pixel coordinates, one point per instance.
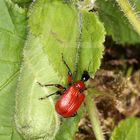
(72, 97)
(69, 102)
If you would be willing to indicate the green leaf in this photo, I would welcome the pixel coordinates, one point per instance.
(127, 129)
(116, 24)
(36, 119)
(135, 4)
(58, 35)
(12, 34)
(22, 1)
(55, 27)
(130, 14)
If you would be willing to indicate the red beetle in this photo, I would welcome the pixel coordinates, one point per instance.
(72, 97)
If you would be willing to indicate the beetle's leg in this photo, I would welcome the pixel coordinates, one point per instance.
(70, 79)
(74, 114)
(55, 85)
(57, 92)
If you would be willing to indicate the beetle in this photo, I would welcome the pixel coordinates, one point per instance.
(72, 97)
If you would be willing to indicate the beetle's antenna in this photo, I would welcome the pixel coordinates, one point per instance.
(65, 63)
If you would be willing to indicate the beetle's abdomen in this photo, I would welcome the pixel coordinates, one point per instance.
(68, 104)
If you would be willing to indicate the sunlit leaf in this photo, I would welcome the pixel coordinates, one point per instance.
(12, 34)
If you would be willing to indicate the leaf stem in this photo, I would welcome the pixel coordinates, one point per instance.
(130, 13)
(78, 47)
(93, 115)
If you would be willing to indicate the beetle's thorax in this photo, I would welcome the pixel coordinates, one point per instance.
(80, 85)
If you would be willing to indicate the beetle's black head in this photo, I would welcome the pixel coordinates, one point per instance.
(85, 76)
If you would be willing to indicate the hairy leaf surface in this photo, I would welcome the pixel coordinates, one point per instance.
(116, 23)
(12, 34)
(127, 130)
